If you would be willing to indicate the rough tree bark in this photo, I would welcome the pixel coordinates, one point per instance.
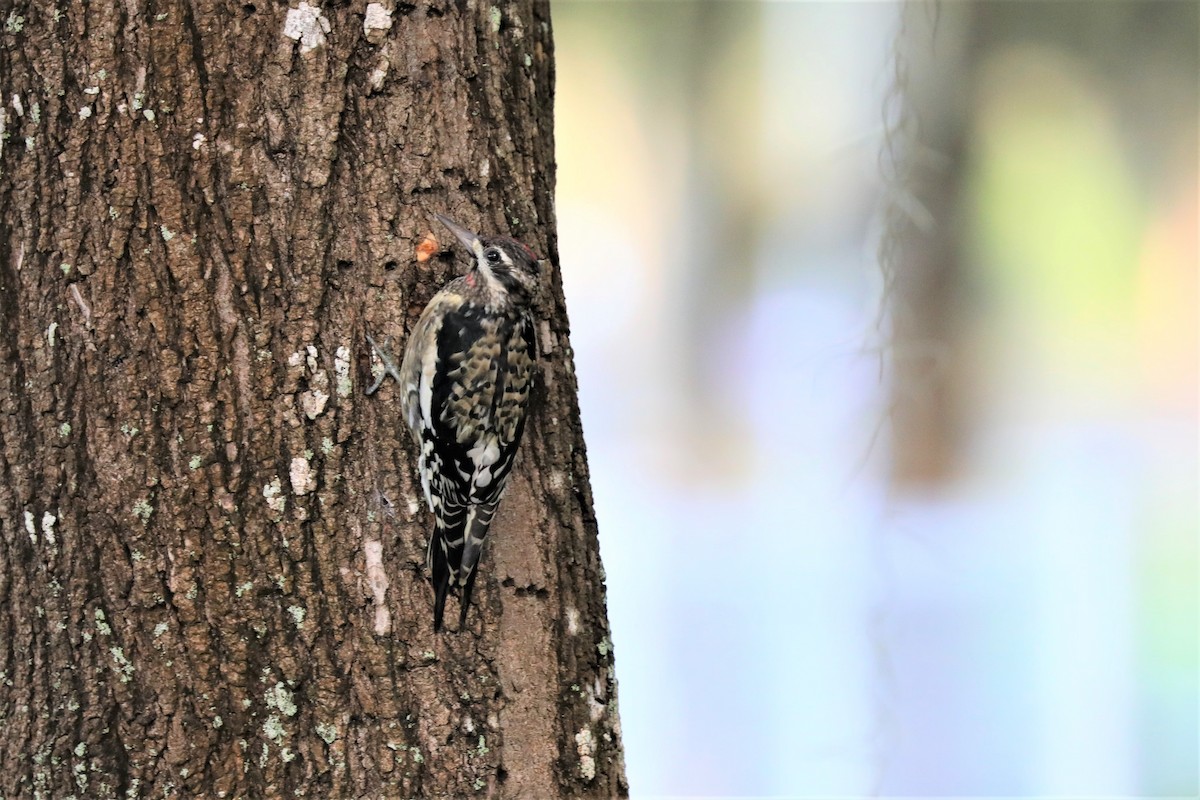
(211, 556)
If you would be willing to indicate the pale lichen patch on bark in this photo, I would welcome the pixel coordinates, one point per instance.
(341, 371)
(302, 476)
(313, 401)
(307, 25)
(378, 580)
(273, 492)
(377, 22)
(585, 745)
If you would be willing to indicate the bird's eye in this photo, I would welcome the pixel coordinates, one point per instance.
(493, 256)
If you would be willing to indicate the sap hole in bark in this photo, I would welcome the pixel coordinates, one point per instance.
(344, 263)
(501, 774)
(249, 8)
(390, 266)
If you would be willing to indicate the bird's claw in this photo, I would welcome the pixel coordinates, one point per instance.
(389, 364)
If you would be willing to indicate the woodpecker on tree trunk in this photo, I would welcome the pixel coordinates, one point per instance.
(465, 381)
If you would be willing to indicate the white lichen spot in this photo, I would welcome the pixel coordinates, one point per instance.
(604, 646)
(102, 626)
(65, 267)
(15, 22)
(17, 105)
(273, 492)
(528, 60)
(194, 463)
(585, 745)
(139, 99)
(280, 698)
(298, 613)
(81, 750)
(326, 445)
(142, 509)
(301, 473)
(30, 142)
(198, 141)
(124, 668)
(572, 621)
(378, 18)
(167, 233)
(287, 755)
(92, 90)
(273, 728)
(312, 403)
(85, 112)
(217, 721)
(48, 521)
(245, 587)
(495, 16)
(341, 371)
(148, 114)
(35, 113)
(64, 430)
(295, 359)
(416, 756)
(307, 25)
(327, 732)
(379, 75)
(30, 527)
(160, 629)
(378, 580)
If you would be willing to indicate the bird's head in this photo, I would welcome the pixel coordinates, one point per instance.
(508, 268)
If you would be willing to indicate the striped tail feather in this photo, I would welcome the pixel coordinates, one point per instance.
(440, 578)
(479, 519)
(444, 556)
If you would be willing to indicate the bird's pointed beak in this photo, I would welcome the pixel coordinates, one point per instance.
(469, 240)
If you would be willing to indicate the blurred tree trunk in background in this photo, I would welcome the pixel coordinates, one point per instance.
(212, 545)
(1139, 56)
(924, 248)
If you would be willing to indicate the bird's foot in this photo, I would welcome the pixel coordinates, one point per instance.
(389, 363)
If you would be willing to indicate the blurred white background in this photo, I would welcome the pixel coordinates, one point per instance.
(933, 533)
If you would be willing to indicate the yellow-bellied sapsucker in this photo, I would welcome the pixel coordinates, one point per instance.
(465, 380)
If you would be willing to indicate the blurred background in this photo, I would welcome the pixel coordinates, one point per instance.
(885, 320)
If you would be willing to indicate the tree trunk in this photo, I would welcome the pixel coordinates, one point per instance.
(211, 561)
